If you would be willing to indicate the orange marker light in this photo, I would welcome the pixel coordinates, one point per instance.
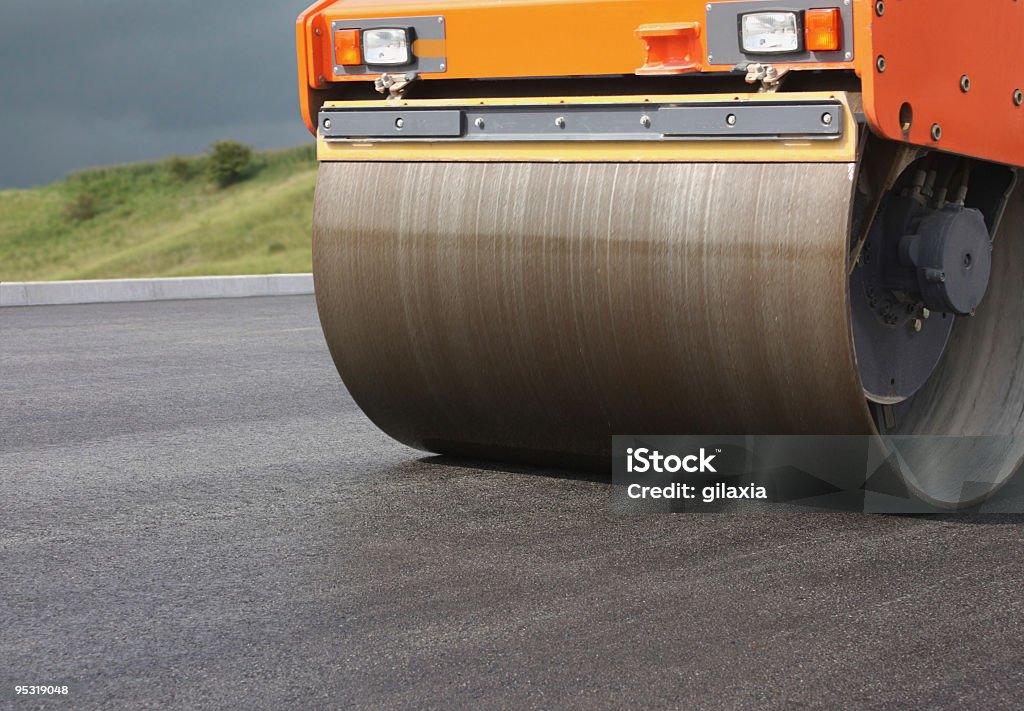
(822, 30)
(347, 48)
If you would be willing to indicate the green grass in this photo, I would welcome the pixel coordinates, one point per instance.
(161, 219)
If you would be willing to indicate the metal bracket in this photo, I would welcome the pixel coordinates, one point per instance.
(767, 74)
(394, 85)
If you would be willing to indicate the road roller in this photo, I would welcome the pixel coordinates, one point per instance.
(542, 223)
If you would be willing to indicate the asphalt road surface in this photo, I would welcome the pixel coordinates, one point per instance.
(196, 515)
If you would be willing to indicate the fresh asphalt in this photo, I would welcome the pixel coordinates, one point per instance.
(196, 515)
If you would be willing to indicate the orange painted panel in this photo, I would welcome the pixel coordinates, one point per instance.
(537, 38)
(310, 50)
(928, 47)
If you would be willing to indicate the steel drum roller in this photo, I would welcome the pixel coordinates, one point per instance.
(532, 310)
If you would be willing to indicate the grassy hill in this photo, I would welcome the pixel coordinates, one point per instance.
(162, 219)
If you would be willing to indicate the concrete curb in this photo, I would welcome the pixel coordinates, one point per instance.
(50, 293)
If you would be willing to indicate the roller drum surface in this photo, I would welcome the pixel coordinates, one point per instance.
(531, 311)
(536, 309)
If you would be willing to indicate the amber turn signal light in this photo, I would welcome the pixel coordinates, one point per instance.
(822, 30)
(348, 48)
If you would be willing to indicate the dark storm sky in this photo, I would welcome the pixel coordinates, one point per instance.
(113, 81)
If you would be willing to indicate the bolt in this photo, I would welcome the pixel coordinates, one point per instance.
(1018, 97)
(442, 68)
(917, 325)
(645, 121)
(879, 8)
(320, 79)
(965, 83)
(826, 119)
(479, 123)
(560, 122)
(399, 122)
(731, 119)
(936, 132)
(880, 64)
(327, 124)
(317, 32)
(849, 56)
(440, 20)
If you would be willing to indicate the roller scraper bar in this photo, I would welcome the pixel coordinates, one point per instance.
(810, 120)
(800, 127)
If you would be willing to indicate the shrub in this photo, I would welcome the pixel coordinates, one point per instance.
(180, 168)
(83, 207)
(230, 162)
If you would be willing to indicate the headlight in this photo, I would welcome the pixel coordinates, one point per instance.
(770, 32)
(386, 47)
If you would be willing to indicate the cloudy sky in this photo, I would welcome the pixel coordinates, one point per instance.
(114, 81)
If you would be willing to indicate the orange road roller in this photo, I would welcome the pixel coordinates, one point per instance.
(541, 223)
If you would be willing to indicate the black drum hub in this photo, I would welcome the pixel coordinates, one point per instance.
(921, 266)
